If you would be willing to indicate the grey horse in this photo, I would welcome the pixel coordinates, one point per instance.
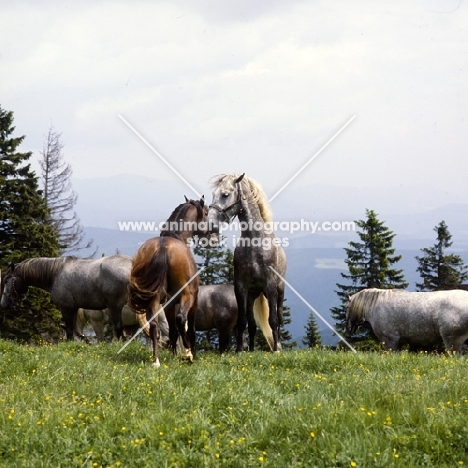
(259, 259)
(73, 283)
(418, 319)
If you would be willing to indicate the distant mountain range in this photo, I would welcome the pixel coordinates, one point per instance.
(411, 212)
(315, 261)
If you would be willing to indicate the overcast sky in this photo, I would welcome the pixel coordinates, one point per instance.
(245, 86)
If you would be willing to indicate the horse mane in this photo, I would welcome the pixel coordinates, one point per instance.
(42, 269)
(178, 214)
(364, 301)
(257, 194)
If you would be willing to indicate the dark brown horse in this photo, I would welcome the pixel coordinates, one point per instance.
(164, 271)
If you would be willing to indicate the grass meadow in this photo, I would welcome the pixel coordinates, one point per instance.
(76, 405)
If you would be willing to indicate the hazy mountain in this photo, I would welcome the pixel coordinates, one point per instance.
(411, 212)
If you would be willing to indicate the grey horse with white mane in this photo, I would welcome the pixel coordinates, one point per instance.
(417, 319)
(259, 259)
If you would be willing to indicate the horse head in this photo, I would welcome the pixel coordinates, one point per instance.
(13, 287)
(353, 319)
(200, 217)
(227, 201)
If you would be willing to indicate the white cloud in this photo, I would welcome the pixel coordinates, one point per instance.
(255, 87)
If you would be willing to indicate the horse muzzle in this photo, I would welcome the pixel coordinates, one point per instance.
(6, 302)
(213, 220)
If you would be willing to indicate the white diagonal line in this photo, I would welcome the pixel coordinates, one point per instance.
(313, 310)
(161, 309)
(312, 158)
(158, 154)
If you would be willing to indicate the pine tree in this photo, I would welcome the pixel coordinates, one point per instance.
(59, 195)
(312, 337)
(370, 264)
(24, 233)
(438, 270)
(286, 338)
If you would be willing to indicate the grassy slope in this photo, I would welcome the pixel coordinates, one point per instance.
(74, 405)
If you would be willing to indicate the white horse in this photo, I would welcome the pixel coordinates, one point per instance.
(100, 319)
(419, 319)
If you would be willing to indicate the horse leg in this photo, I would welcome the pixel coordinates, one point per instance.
(116, 317)
(279, 310)
(223, 338)
(154, 332)
(69, 318)
(185, 319)
(273, 316)
(170, 313)
(98, 327)
(80, 323)
(241, 297)
(191, 331)
(252, 328)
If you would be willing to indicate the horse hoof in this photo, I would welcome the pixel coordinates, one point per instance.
(157, 364)
(188, 356)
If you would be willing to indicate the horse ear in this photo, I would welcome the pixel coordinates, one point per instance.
(348, 297)
(239, 178)
(202, 201)
(12, 266)
(186, 199)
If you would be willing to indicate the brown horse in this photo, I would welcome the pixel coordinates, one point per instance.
(164, 271)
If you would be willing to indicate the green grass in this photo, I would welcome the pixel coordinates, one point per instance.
(75, 405)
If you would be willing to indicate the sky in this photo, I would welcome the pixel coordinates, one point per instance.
(374, 92)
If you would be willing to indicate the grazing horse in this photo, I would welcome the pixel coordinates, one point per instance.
(217, 309)
(164, 267)
(257, 287)
(418, 319)
(73, 283)
(99, 319)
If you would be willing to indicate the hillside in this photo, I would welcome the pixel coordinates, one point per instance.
(77, 405)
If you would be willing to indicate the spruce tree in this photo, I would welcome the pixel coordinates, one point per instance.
(371, 263)
(312, 337)
(24, 233)
(438, 269)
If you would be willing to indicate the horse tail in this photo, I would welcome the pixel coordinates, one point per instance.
(148, 277)
(261, 313)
